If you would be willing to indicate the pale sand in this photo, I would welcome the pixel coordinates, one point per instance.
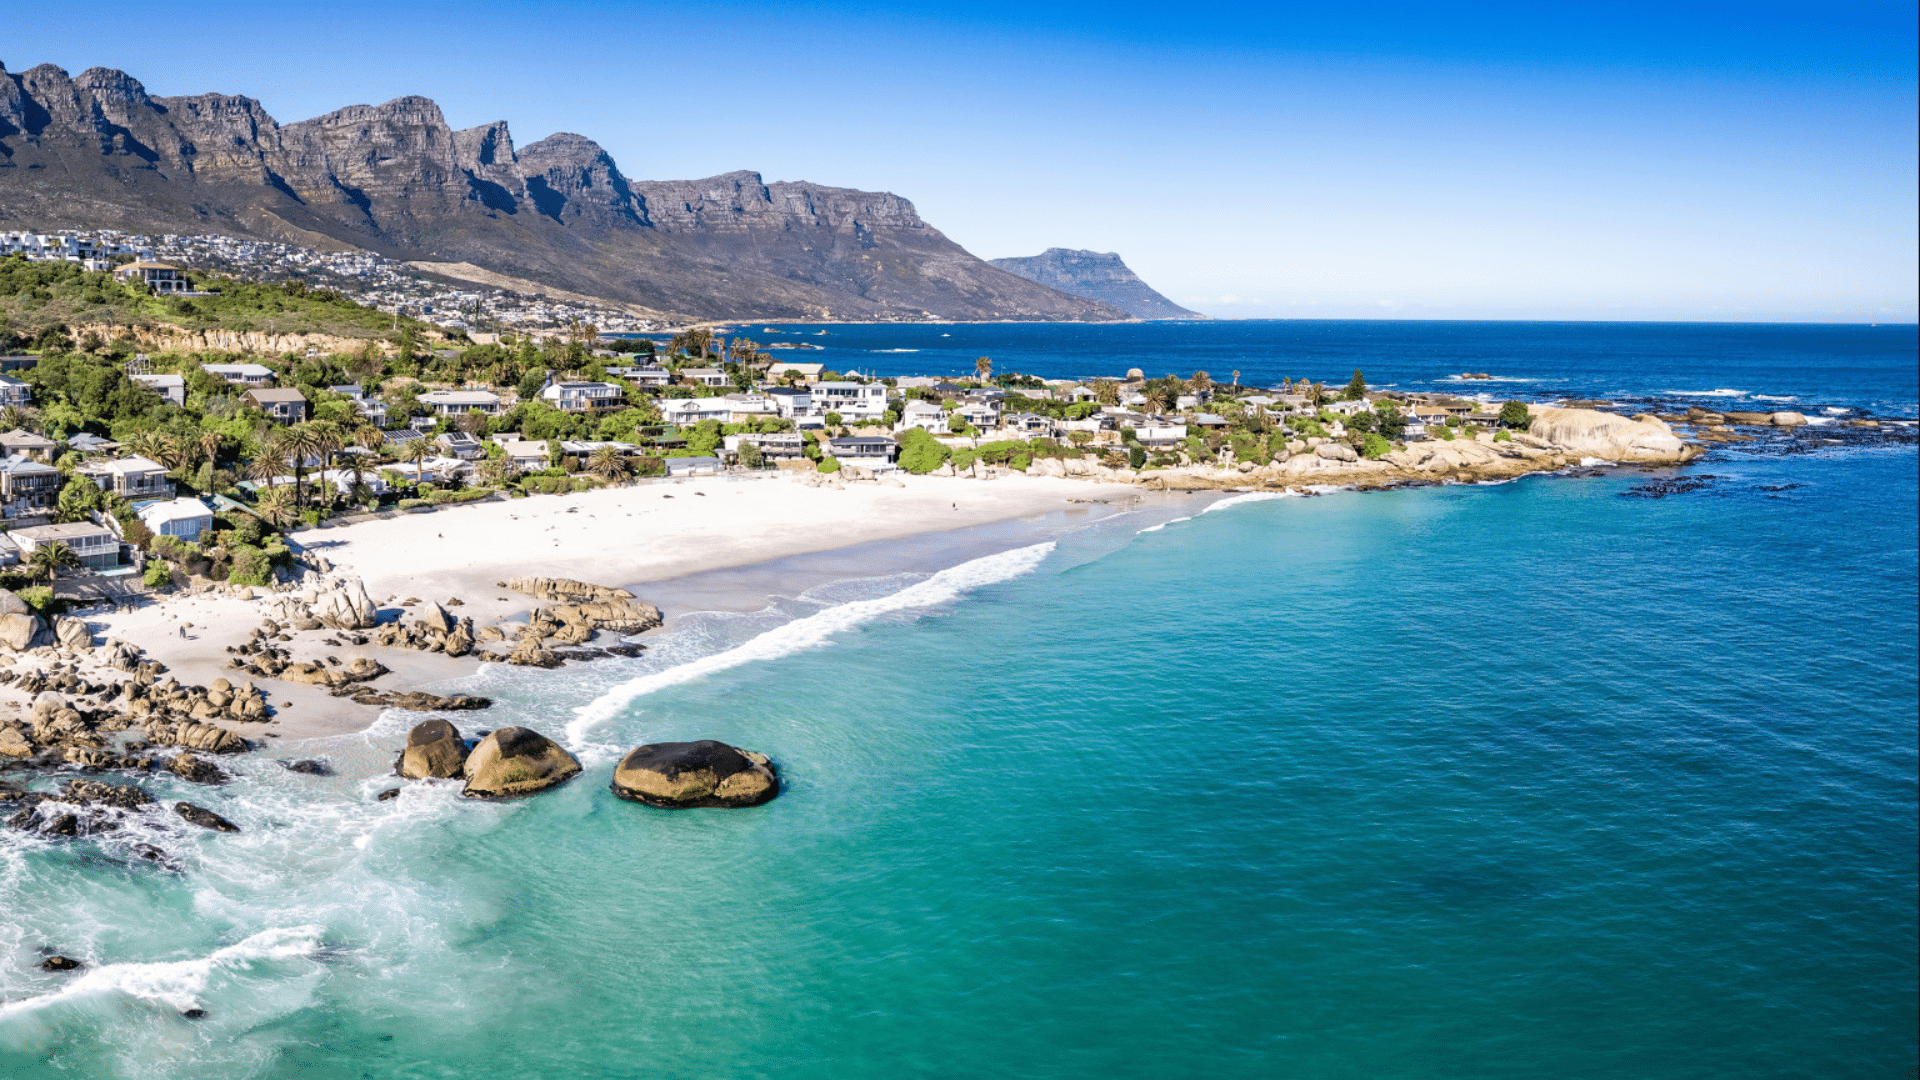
(617, 536)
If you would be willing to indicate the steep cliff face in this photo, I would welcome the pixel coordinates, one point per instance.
(1097, 276)
(97, 150)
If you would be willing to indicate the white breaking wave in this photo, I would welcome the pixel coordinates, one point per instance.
(177, 984)
(1250, 497)
(1591, 462)
(1162, 525)
(811, 632)
(1831, 411)
(892, 350)
(1775, 397)
(1707, 393)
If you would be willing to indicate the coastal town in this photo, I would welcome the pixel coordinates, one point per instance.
(178, 523)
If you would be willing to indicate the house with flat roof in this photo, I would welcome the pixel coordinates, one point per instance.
(693, 466)
(96, 545)
(704, 376)
(22, 443)
(241, 374)
(581, 397)
(132, 477)
(774, 446)
(183, 519)
(171, 387)
(868, 450)
(372, 408)
(643, 375)
(14, 392)
(1159, 433)
(284, 406)
(27, 488)
(456, 402)
(855, 402)
(804, 372)
(461, 445)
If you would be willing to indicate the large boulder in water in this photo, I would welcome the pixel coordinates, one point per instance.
(703, 773)
(1589, 433)
(434, 749)
(517, 761)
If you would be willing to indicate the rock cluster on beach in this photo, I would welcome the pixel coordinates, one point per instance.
(506, 763)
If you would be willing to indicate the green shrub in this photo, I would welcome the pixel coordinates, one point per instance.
(408, 504)
(829, 465)
(921, 452)
(1502, 436)
(1376, 447)
(157, 576)
(250, 566)
(1136, 455)
(38, 597)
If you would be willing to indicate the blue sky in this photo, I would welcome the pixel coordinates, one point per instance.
(1468, 160)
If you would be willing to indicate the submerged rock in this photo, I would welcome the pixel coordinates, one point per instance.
(310, 767)
(434, 749)
(703, 773)
(203, 817)
(517, 761)
(197, 770)
(60, 963)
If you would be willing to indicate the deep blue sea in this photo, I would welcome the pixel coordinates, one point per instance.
(1537, 779)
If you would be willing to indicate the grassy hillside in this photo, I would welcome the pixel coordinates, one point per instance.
(39, 301)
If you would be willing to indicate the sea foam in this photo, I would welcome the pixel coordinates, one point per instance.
(810, 632)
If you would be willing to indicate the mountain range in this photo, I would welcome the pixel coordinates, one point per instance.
(1098, 276)
(98, 151)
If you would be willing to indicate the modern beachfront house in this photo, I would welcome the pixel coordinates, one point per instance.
(96, 546)
(133, 478)
(183, 519)
(583, 397)
(867, 450)
(856, 403)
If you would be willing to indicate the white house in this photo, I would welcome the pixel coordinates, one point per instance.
(14, 392)
(96, 545)
(456, 402)
(681, 411)
(704, 376)
(1157, 433)
(183, 519)
(855, 402)
(748, 407)
(527, 454)
(171, 387)
(804, 372)
(922, 414)
(241, 374)
(578, 397)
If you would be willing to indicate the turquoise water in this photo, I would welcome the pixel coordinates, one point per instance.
(1524, 780)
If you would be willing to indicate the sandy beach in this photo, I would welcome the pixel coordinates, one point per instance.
(617, 536)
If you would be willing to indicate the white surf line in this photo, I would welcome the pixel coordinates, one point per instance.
(811, 632)
(176, 983)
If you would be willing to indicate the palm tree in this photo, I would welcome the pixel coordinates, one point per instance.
(1236, 377)
(50, 558)
(210, 442)
(984, 367)
(1164, 395)
(326, 442)
(263, 467)
(416, 452)
(1200, 382)
(1106, 391)
(276, 506)
(609, 464)
(297, 444)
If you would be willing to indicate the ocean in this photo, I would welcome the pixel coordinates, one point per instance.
(1566, 776)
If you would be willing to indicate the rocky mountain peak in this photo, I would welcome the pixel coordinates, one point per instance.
(1096, 275)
